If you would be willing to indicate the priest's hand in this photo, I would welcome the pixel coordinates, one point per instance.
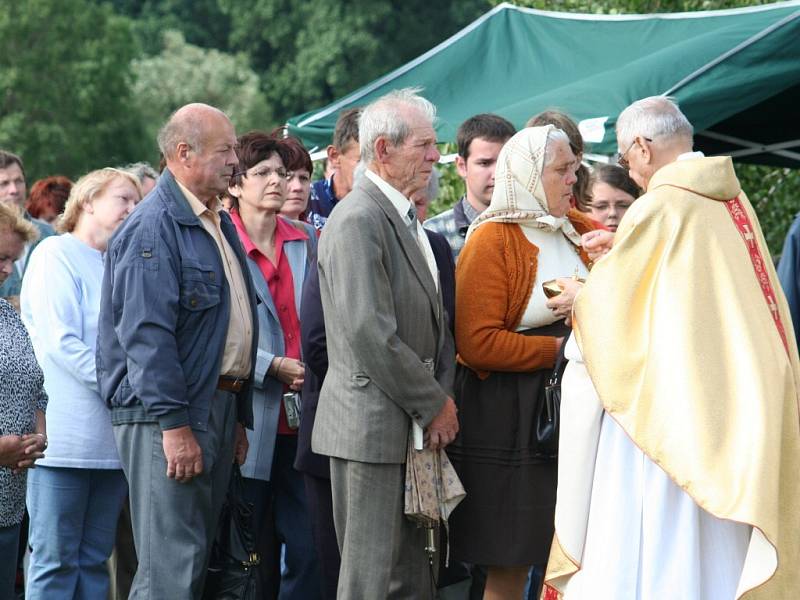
(561, 305)
(597, 243)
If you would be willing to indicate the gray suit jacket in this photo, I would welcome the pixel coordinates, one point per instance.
(383, 319)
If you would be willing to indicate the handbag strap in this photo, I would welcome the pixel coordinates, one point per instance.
(555, 378)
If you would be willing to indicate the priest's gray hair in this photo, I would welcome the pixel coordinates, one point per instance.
(554, 135)
(653, 117)
(385, 118)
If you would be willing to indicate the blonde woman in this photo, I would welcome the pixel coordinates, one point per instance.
(75, 496)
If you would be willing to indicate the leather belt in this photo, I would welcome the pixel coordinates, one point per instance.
(231, 384)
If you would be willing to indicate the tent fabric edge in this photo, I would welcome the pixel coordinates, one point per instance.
(732, 52)
(641, 16)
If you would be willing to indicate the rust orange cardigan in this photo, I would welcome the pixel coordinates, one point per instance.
(494, 280)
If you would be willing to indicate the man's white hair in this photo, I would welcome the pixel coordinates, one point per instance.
(384, 117)
(554, 135)
(653, 117)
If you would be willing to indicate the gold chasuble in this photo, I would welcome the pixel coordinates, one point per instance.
(682, 327)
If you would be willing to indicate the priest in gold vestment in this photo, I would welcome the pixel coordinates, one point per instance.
(679, 459)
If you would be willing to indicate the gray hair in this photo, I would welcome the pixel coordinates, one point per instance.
(176, 131)
(185, 125)
(656, 116)
(141, 170)
(554, 135)
(384, 118)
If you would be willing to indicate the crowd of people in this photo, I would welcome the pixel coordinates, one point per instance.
(161, 330)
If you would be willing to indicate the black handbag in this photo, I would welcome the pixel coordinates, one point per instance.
(548, 412)
(232, 568)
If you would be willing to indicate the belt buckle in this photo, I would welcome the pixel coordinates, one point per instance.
(238, 382)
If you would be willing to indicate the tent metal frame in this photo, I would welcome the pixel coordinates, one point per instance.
(751, 148)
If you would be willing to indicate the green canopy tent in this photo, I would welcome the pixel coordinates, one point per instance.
(735, 73)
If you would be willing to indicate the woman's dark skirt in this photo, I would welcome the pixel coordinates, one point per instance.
(507, 516)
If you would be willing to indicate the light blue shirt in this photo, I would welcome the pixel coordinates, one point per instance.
(60, 303)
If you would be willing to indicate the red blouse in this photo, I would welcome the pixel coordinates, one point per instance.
(281, 287)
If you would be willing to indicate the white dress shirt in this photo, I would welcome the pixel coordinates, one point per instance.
(403, 204)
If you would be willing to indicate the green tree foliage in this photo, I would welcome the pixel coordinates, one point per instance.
(310, 53)
(307, 54)
(65, 105)
(183, 73)
(202, 22)
(775, 194)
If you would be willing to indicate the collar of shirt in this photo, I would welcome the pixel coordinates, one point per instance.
(402, 205)
(329, 189)
(284, 232)
(463, 216)
(464, 213)
(198, 208)
(470, 214)
(690, 156)
(398, 200)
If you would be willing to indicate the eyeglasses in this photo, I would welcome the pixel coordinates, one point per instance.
(620, 158)
(265, 172)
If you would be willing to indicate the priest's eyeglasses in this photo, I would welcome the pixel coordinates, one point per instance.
(620, 158)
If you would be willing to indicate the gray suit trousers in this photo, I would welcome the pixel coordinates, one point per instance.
(174, 524)
(383, 553)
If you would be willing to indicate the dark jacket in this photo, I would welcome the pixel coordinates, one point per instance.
(789, 273)
(164, 315)
(315, 355)
(447, 274)
(315, 349)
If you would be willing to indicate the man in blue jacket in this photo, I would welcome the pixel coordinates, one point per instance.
(175, 354)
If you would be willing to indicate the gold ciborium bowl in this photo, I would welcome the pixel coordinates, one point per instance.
(551, 289)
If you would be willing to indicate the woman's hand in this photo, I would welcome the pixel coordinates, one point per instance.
(289, 371)
(597, 243)
(561, 305)
(20, 452)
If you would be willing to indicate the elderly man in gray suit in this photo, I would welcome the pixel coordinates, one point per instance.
(391, 357)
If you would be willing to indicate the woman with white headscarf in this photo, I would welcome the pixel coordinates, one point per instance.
(508, 341)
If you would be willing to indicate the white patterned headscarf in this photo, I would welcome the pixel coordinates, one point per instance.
(518, 195)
